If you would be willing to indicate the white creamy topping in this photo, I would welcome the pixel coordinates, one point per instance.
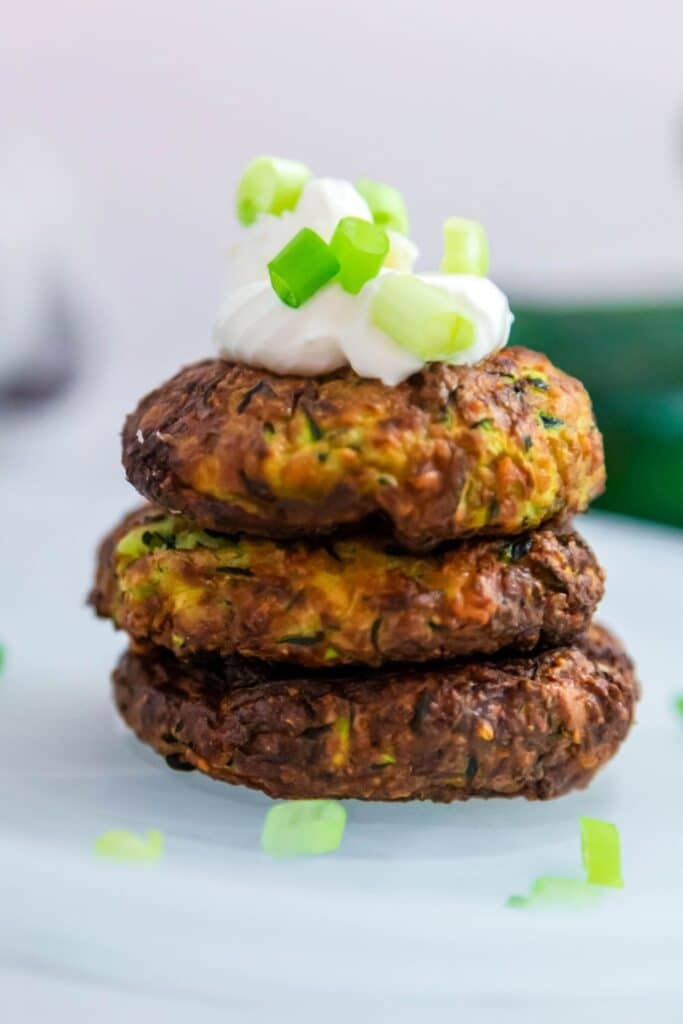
(334, 328)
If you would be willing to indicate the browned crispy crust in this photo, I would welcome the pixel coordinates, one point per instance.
(499, 447)
(354, 599)
(534, 726)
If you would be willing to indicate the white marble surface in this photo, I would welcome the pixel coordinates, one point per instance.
(405, 922)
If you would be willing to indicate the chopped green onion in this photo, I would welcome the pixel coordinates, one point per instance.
(601, 861)
(550, 421)
(569, 892)
(360, 248)
(302, 268)
(465, 247)
(302, 827)
(678, 704)
(420, 317)
(550, 891)
(120, 844)
(386, 204)
(269, 185)
(166, 534)
(601, 853)
(143, 539)
(342, 733)
(188, 540)
(302, 639)
(518, 902)
(517, 549)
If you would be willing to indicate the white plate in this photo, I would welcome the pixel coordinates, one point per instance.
(407, 921)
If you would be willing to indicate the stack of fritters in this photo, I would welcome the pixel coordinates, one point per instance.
(345, 589)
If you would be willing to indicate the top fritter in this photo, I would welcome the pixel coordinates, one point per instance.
(350, 385)
(498, 447)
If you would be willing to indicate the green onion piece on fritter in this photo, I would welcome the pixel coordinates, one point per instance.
(302, 268)
(269, 185)
(142, 539)
(303, 827)
(601, 853)
(386, 204)
(361, 249)
(465, 247)
(122, 845)
(420, 317)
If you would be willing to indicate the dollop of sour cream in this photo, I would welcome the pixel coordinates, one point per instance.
(334, 329)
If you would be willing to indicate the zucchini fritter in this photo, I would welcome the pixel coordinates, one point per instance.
(535, 726)
(354, 598)
(498, 448)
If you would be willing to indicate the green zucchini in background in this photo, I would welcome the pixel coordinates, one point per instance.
(631, 361)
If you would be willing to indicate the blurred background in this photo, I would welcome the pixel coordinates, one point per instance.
(125, 127)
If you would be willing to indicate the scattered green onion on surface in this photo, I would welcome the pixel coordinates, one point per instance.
(601, 852)
(303, 827)
(551, 891)
(420, 317)
(465, 247)
(361, 248)
(601, 861)
(386, 204)
(678, 704)
(301, 269)
(269, 185)
(122, 845)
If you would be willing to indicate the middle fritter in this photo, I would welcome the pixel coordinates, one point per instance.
(352, 599)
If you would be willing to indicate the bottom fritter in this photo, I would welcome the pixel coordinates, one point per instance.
(534, 726)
